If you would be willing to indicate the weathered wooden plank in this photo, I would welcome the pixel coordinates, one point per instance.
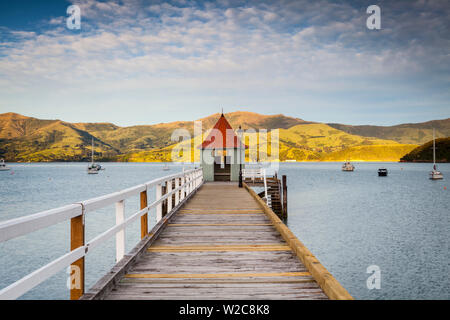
(216, 275)
(220, 283)
(218, 225)
(248, 247)
(219, 245)
(219, 296)
(230, 291)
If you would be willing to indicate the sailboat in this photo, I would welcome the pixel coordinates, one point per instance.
(435, 174)
(166, 167)
(93, 168)
(3, 166)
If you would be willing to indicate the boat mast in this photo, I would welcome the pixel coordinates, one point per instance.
(434, 150)
(92, 153)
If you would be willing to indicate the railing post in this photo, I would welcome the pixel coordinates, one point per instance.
(144, 217)
(177, 194)
(188, 189)
(196, 180)
(77, 268)
(164, 203)
(169, 199)
(159, 205)
(285, 213)
(120, 235)
(183, 180)
(265, 186)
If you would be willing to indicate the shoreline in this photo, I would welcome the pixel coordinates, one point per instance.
(191, 163)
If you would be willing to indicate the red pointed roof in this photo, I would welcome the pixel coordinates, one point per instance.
(222, 136)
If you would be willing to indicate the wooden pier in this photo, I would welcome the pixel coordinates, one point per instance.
(216, 241)
(220, 245)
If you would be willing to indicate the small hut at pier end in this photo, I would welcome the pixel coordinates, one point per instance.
(222, 153)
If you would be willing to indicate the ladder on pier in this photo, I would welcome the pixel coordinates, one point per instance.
(274, 193)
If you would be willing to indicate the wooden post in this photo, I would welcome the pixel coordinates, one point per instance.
(76, 268)
(169, 199)
(188, 185)
(159, 205)
(285, 213)
(183, 180)
(120, 235)
(177, 194)
(144, 218)
(164, 203)
(240, 177)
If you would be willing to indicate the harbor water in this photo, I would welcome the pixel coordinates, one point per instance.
(349, 220)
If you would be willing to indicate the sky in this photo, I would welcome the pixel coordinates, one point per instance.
(144, 62)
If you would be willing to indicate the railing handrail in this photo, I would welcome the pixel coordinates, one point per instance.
(23, 225)
(252, 173)
(13, 228)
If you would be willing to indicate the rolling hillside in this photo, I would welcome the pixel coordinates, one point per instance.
(306, 142)
(424, 153)
(409, 133)
(370, 153)
(29, 139)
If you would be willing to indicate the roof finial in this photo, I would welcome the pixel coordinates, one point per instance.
(222, 110)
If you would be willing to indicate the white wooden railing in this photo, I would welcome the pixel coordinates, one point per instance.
(252, 173)
(257, 173)
(186, 183)
(265, 186)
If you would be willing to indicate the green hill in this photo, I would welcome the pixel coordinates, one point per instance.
(29, 139)
(424, 153)
(309, 142)
(409, 133)
(370, 153)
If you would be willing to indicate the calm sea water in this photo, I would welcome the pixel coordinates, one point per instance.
(349, 220)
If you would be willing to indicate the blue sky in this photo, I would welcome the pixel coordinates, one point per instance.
(145, 62)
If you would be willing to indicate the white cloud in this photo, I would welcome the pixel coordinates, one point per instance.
(288, 45)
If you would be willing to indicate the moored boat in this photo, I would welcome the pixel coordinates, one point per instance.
(347, 166)
(93, 168)
(435, 174)
(382, 172)
(3, 166)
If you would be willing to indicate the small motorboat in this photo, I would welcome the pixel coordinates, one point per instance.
(347, 166)
(166, 167)
(3, 166)
(435, 174)
(382, 172)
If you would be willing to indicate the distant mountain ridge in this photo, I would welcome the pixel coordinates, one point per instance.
(424, 153)
(408, 133)
(25, 138)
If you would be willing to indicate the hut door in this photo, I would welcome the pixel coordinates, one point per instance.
(222, 168)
